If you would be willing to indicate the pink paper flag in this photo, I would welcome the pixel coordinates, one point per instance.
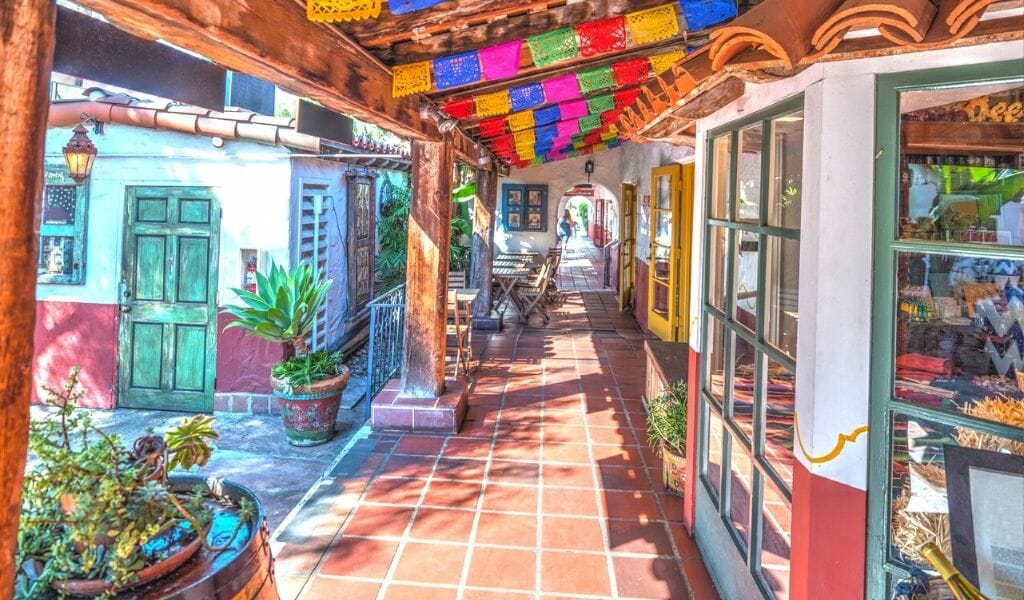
(573, 109)
(501, 61)
(561, 88)
(569, 128)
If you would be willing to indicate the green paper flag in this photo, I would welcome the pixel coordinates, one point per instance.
(600, 104)
(553, 46)
(589, 123)
(592, 80)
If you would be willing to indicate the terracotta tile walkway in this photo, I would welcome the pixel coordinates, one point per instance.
(548, 491)
(582, 267)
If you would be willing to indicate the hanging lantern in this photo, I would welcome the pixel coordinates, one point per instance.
(80, 153)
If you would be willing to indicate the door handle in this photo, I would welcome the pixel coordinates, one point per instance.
(123, 297)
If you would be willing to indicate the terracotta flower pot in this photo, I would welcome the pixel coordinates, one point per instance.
(673, 468)
(309, 412)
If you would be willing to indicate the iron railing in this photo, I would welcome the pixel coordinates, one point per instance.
(387, 335)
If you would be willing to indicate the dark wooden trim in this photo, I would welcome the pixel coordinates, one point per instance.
(483, 240)
(26, 43)
(426, 307)
(273, 40)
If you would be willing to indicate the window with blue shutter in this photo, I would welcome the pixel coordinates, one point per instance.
(62, 228)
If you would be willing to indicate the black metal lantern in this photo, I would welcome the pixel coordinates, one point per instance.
(588, 167)
(80, 153)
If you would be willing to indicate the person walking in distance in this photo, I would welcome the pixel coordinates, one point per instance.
(565, 227)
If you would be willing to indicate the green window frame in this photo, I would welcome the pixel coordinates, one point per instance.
(747, 444)
(59, 237)
(881, 570)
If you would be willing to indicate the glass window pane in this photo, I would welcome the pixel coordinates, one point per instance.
(782, 276)
(776, 527)
(779, 405)
(962, 178)
(664, 193)
(920, 510)
(787, 170)
(713, 465)
(59, 204)
(663, 227)
(56, 255)
(716, 267)
(714, 373)
(959, 341)
(743, 378)
(740, 482)
(744, 286)
(748, 186)
(720, 172)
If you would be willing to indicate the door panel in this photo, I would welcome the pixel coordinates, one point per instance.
(627, 245)
(670, 225)
(168, 299)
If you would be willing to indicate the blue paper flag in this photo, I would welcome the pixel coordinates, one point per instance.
(400, 7)
(526, 96)
(545, 133)
(548, 114)
(701, 14)
(457, 69)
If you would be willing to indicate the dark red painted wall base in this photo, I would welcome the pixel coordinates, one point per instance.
(693, 385)
(828, 560)
(244, 361)
(640, 273)
(75, 333)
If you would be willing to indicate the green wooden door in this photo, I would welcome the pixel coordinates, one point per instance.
(168, 298)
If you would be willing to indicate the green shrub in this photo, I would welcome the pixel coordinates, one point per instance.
(666, 419)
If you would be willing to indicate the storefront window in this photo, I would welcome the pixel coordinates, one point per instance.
(949, 350)
(62, 228)
(752, 312)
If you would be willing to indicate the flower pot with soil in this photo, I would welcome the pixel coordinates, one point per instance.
(666, 432)
(283, 309)
(99, 518)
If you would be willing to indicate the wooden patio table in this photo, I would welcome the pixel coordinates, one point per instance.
(507, 278)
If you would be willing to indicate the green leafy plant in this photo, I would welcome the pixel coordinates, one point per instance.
(284, 307)
(305, 370)
(93, 509)
(666, 419)
(393, 232)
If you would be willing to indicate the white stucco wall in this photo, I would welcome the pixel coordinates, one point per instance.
(559, 176)
(252, 183)
(834, 338)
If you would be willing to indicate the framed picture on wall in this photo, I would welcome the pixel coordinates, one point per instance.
(533, 221)
(514, 221)
(534, 197)
(515, 198)
(524, 207)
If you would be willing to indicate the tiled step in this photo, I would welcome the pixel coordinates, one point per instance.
(390, 411)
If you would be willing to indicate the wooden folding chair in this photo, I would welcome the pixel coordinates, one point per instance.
(456, 280)
(530, 297)
(459, 340)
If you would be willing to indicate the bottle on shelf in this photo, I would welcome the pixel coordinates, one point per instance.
(958, 584)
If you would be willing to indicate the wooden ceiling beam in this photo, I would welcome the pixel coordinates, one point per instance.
(507, 29)
(273, 40)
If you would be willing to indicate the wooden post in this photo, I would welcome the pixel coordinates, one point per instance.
(26, 43)
(426, 293)
(483, 240)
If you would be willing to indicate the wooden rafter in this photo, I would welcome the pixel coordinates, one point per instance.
(273, 40)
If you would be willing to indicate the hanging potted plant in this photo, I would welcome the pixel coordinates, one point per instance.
(666, 432)
(99, 517)
(309, 384)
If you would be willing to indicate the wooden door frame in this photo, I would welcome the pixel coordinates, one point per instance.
(627, 245)
(127, 249)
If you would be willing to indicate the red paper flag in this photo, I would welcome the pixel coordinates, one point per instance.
(624, 98)
(628, 72)
(459, 109)
(610, 116)
(492, 127)
(600, 37)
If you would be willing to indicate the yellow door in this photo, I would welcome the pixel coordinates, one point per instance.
(627, 244)
(669, 277)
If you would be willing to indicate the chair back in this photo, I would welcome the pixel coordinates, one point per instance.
(457, 279)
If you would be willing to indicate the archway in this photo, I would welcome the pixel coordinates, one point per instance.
(594, 210)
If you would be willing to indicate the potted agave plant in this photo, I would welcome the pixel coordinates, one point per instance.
(309, 384)
(666, 432)
(99, 517)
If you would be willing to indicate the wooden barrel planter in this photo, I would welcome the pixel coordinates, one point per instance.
(244, 571)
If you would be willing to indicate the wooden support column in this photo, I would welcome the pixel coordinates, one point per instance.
(483, 240)
(26, 47)
(426, 304)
